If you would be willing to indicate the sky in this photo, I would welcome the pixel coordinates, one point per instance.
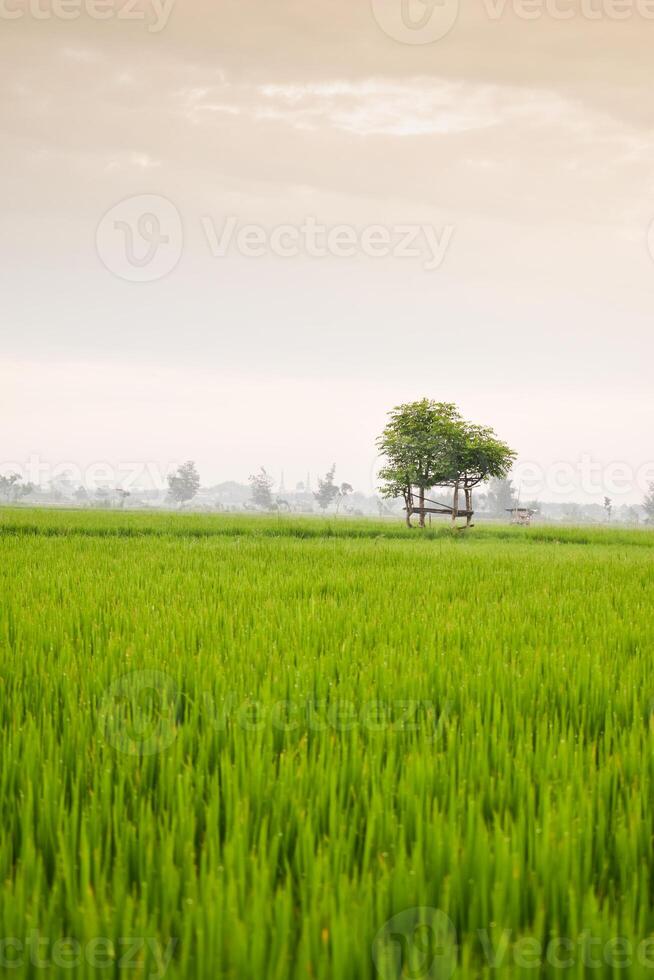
(240, 232)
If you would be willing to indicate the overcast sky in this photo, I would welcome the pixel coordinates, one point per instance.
(511, 158)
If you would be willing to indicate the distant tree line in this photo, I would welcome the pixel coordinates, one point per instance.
(426, 445)
(184, 484)
(12, 488)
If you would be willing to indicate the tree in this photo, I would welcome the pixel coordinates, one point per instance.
(343, 491)
(648, 504)
(417, 443)
(184, 484)
(478, 456)
(501, 497)
(122, 496)
(327, 489)
(261, 485)
(608, 507)
(428, 444)
(13, 489)
(8, 485)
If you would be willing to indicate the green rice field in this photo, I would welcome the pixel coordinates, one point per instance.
(241, 747)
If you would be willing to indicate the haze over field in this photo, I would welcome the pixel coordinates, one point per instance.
(523, 145)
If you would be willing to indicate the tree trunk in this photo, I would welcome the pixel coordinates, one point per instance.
(468, 507)
(455, 504)
(407, 507)
(422, 506)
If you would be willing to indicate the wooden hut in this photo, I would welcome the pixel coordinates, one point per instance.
(521, 515)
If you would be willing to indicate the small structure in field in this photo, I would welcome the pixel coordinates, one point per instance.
(418, 505)
(521, 515)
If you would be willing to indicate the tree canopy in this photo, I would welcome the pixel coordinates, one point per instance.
(327, 489)
(429, 444)
(417, 443)
(261, 485)
(184, 484)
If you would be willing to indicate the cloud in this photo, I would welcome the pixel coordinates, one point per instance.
(83, 56)
(138, 161)
(416, 107)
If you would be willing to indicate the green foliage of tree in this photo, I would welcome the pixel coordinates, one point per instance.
(343, 491)
(501, 497)
(12, 489)
(428, 444)
(417, 443)
(261, 485)
(185, 483)
(480, 457)
(328, 491)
